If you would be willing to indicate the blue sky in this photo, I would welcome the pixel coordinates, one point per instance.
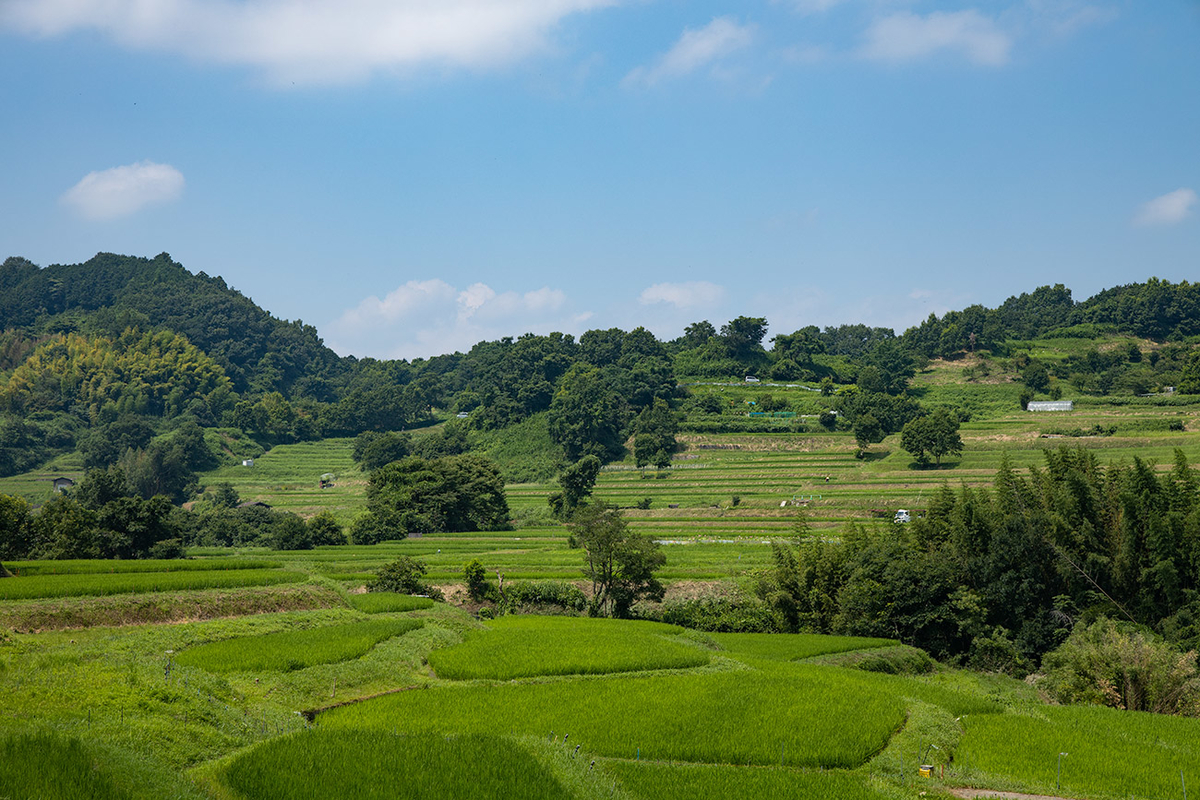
(413, 176)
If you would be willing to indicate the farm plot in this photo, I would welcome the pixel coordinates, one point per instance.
(287, 651)
(30, 588)
(374, 765)
(387, 602)
(738, 717)
(99, 566)
(522, 647)
(649, 781)
(288, 478)
(50, 767)
(1106, 752)
(792, 647)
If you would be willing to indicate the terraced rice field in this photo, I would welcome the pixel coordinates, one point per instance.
(794, 718)
(1107, 752)
(523, 647)
(28, 588)
(292, 650)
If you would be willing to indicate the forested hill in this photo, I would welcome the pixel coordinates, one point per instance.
(110, 293)
(122, 353)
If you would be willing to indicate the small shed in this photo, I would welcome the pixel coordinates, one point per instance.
(254, 504)
(247, 462)
(62, 484)
(1051, 405)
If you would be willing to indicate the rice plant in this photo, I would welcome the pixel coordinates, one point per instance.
(375, 765)
(804, 716)
(292, 650)
(49, 767)
(520, 647)
(1105, 752)
(136, 582)
(653, 781)
(383, 602)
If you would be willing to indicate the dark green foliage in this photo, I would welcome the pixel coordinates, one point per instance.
(373, 450)
(619, 563)
(522, 596)
(932, 436)
(103, 445)
(405, 575)
(457, 493)
(867, 431)
(577, 482)
(997, 578)
(475, 576)
(16, 527)
(721, 615)
(49, 767)
(588, 415)
(324, 530)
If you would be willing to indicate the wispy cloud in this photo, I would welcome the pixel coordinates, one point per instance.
(813, 6)
(1167, 209)
(121, 191)
(687, 295)
(426, 318)
(697, 48)
(311, 41)
(906, 36)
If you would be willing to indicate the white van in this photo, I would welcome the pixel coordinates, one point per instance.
(902, 515)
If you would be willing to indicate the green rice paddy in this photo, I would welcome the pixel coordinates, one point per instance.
(522, 647)
(292, 650)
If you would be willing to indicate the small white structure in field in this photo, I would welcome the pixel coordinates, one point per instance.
(902, 515)
(1051, 405)
(247, 462)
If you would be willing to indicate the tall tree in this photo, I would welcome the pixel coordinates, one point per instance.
(620, 564)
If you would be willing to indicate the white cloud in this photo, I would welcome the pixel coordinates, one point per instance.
(814, 6)
(311, 41)
(691, 294)
(696, 48)
(121, 191)
(906, 36)
(1064, 17)
(1167, 209)
(428, 318)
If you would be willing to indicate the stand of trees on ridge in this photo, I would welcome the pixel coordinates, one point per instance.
(149, 370)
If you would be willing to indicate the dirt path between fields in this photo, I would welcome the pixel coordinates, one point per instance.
(971, 793)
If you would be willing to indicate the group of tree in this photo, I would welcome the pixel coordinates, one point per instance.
(419, 495)
(997, 578)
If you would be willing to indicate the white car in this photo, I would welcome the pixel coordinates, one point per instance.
(902, 515)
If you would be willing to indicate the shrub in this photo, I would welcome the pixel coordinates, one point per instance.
(404, 576)
(1112, 664)
(478, 587)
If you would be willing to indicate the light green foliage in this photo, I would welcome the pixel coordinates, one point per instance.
(1110, 753)
(711, 782)
(1116, 665)
(380, 766)
(293, 650)
(522, 647)
(386, 602)
(48, 767)
(728, 717)
(122, 583)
